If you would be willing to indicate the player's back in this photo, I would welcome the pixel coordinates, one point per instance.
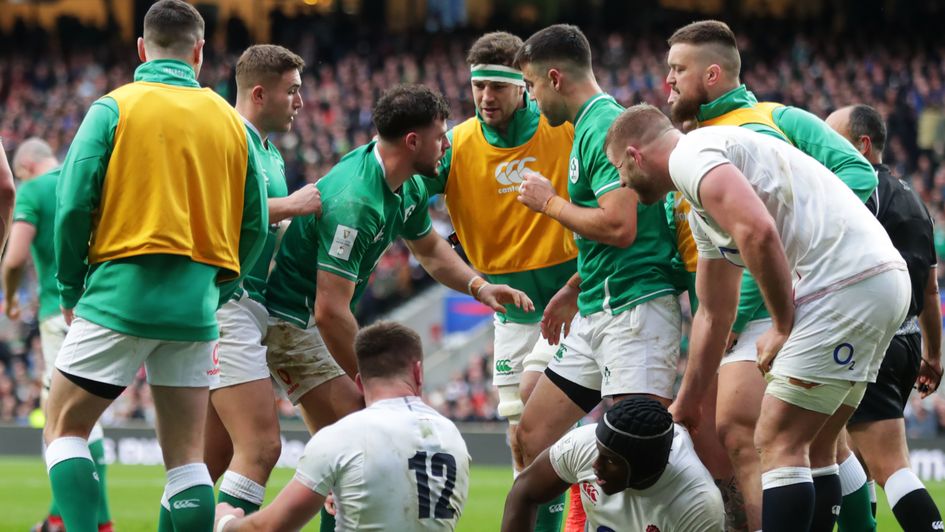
(396, 465)
(829, 236)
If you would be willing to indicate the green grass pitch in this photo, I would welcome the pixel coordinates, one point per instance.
(135, 492)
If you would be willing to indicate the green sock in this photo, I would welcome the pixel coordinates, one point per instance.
(550, 516)
(192, 510)
(328, 521)
(97, 448)
(236, 502)
(855, 512)
(53, 509)
(75, 490)
(165, 524)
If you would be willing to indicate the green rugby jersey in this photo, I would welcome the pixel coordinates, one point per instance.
(812, 136)
(159, 296)
(614, 279)
(36, 205)
(272, 167)
(540, 284)
(361, 217)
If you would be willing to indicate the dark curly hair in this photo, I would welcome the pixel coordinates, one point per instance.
(405, 108)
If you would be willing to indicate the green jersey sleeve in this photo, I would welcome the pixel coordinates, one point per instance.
(814, 137)
(27, 207)
(418, 224)
(79, 192)
(603, 176)
(345, 234)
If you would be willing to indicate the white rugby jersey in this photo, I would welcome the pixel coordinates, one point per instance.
(830, 238)
(396, 465)
(684, 498)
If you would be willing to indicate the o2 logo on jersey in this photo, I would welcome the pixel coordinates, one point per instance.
(574, 170)
(843, 355)
(652, 528)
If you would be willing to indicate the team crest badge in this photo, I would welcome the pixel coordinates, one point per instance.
(574, 170)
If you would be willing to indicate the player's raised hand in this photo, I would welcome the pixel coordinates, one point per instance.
(497, 296)
(769, 345)
(559, 313)
(930, 376)
(535, 191)
(306, 200)
(223, 511)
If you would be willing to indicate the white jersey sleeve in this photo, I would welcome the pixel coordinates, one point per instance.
(704, 244)
(572, 457)
(691, 160)
(323, 459)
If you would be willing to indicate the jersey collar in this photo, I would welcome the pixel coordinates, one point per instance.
(737, 98)
(168, 72)
(591, 102)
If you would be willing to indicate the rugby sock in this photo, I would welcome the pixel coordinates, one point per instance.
(54, 518)
(911, 503)
(827, 498)
(74, 483)
(241, 492)
(872, 485)
(576, 517)
(787, 499)
(550, 515)
(327, 521)
(855, 512)
(190, 497)
(165, 524)
(97, 450)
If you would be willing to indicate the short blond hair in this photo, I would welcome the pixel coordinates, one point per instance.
(263, 64)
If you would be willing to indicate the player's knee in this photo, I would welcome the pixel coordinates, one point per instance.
(269, 452)
(737, 440)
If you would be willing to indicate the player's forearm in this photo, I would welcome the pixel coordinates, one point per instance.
(12, 276)
(338, 327)
(73, 229)
(707, 345)
(281, 209)
(930, 320)
(520, 513)
(595, 224)
(763, 253)
(441, 262)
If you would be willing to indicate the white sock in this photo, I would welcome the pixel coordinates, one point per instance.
(243, 488)
(786, 476)
(67, 448)
(852, 475)
(872, 485)
(185, 477)
(900, 484)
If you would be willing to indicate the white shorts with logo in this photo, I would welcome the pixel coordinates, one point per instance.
(745, 349)
(844, 334)
(243, 325)
(518, 347)
(298, 358)
(52, 332)
(634, 352)
(100, 354)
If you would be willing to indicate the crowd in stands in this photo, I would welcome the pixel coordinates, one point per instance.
(48, 81)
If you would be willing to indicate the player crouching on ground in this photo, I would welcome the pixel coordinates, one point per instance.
(637, 471)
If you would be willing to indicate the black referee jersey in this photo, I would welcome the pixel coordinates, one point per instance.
(909, 225)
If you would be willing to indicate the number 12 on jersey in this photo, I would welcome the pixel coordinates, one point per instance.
(442, 465)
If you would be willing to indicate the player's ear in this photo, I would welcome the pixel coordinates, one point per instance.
(713, 74)
(554, 76)
(418, 373)
(257, 94)
(141, 53)
(359, 383)
(411, 140)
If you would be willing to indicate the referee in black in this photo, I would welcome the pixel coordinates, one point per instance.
(877, 428)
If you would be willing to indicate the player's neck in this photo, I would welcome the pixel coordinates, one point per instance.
(397, 167)
(248, 113)
(379, 390)
(44, 166)
(722, 88)
(579, 94)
